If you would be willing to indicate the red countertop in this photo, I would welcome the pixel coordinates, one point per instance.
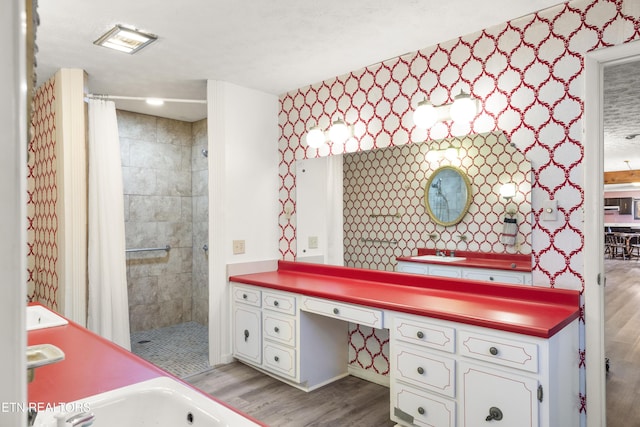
(511, 262)
(540, 312)
(92, 365)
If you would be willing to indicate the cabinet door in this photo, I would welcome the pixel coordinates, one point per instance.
(247, 334)
(625, 204)
(495, 397)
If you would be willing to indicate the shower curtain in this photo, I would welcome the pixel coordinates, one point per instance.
(108, 310)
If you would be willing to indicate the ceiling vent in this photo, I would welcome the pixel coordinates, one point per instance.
(123, 39)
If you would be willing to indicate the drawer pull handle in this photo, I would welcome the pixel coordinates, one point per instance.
(421, 410)
(493, 351)
(276, 358)
(336, 311)
(246, 335)
(245, 296)
(494, 414)
(276, 330)
(421, 370)
(420, 334)
(276, 303)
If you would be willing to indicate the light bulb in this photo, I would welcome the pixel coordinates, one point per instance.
(425, 115)
(463, 108)
(315, 137)
(451, 153)
(339, 132)
(508, 190)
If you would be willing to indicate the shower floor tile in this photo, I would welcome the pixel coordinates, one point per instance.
(182, 349)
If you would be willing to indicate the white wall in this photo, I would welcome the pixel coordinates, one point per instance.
(12, 211)
(243, 193)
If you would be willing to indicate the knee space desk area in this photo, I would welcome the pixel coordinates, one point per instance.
(461, 352)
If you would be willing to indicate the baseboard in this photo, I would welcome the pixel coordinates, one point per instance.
(368, 375)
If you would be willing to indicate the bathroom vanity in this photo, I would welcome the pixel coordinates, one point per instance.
(490, 267)
(462, 353)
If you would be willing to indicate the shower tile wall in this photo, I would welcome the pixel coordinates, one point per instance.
(158, 187)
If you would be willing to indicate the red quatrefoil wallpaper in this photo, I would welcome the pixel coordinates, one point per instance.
(528, 77)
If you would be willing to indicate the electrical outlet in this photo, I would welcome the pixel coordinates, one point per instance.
(238, 247)
(313, 242)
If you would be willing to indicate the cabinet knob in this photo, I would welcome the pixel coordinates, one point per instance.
(494, 414)
(276, 330)
(276, 358)
(276, 303)
(421, 410)
(336, 311)
(491, 278)
(420, 370)
(246, 335)
(493, 351)
(245, 296)
(420, 334)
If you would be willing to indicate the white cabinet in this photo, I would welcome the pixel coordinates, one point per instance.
(512, 399)
(247, 325)
(442, 373)
(472, 273)
(451, 374)
(271, 333)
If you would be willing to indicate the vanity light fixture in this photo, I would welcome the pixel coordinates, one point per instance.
(124, 39)
(425, 114)
(315, 137)
(339, 132)
(462, 109)
(508, 190)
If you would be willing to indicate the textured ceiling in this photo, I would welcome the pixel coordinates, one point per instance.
(622, 117)
(270, 45)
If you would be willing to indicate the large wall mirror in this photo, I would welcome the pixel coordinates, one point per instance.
(365, 209)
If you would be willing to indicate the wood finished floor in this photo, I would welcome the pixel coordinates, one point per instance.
(349, 402)
(622, 342)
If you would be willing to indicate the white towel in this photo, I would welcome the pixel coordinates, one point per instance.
(509, 231)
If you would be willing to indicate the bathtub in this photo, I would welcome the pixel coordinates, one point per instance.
(158, 402)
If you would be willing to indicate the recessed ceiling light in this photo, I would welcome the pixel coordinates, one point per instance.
(155, 101)
(126, 40)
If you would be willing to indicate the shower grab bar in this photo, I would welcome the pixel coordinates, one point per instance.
(393, 242)
(166, 248)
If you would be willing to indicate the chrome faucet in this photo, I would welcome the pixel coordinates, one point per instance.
(31, 417)
(82, 419)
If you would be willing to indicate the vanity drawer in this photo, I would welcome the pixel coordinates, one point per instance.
(428, 371)
(513, 277)
(499, 350)
(281, 302)
(246, 295)
(348, 312)
(412, 267)
(417, 407)
(280, 360)
(279, 328)
(424, 334)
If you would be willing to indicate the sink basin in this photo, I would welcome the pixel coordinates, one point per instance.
(439, 258)
(39, 317)
(42, 355)
(159, 402)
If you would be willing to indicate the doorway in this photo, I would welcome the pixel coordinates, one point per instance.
(595, 63)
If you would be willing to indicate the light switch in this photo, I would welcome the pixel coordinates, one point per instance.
(313, 242)
(550, 210)
(238, 247)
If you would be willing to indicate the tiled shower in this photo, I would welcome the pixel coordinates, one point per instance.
(165, 174)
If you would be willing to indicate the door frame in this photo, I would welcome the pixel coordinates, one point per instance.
(594, 64)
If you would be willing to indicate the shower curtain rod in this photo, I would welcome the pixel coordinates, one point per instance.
(141, 98)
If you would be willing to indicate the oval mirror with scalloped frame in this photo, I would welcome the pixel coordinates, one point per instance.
(447, 195)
